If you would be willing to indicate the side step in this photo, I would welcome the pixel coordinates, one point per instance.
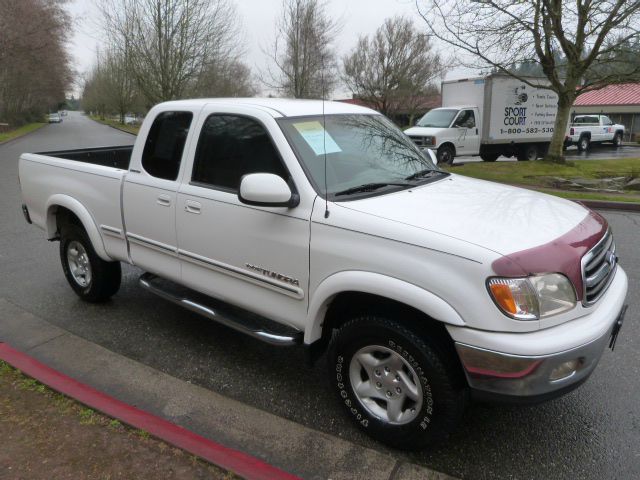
(241, 320)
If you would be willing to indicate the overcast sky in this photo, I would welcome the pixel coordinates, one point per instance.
(258, 19)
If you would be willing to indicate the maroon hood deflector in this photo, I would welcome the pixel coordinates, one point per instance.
(562, 255)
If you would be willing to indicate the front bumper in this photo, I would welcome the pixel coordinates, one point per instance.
(537, 370)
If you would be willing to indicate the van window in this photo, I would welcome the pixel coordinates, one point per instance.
(231, 146)
(165, 143)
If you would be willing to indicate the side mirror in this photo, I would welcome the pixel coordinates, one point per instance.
(432, 156)
(266, 190)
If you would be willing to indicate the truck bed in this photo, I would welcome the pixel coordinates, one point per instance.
(116, 157)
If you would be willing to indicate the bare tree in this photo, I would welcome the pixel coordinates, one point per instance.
(582, 33)
(395, 68)
(110, 87)
(305, 62)
(35, 67)
(171, 42)
(230, 78)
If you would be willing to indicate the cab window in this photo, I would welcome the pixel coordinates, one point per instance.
(466, 119)
(231, 146)
(165, 143)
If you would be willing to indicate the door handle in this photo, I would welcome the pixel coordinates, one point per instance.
(192, 207)
(164, 200)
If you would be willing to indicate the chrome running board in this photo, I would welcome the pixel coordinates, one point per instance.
(233, 317)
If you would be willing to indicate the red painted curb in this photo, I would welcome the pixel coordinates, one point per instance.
(238, 462)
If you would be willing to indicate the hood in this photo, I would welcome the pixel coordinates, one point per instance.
(423, 131)
(498, 217)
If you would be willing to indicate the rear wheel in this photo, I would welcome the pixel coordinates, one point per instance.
(617, 140)
(400, 388)
(445, 155)
(528, 153)
(583, 144)
(93, 279)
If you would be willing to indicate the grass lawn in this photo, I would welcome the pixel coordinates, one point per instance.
(18, 132)
(47, 435)
(528, 174)
(113, 123)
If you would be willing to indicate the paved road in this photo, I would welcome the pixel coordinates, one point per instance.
(592, 433)
(595, 152)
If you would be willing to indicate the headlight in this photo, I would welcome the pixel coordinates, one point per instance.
(534, 297)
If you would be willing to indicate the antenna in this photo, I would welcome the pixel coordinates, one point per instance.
(324, 147)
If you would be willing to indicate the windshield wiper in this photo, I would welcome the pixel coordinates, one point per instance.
(426, 173)
(370, 187)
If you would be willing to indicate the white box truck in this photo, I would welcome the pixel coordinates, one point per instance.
(489, 116)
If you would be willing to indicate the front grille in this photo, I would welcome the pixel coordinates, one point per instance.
(422, 141)
(598, 269)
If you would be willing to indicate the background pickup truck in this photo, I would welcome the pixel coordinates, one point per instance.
(588, 129)
(322, 224)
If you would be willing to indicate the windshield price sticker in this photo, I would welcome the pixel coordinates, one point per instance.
(317, 137)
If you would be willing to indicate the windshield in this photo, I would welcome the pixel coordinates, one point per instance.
(438, 118)
(365, 153)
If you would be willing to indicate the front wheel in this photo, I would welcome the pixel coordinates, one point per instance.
(400, 388)
(445, 155)
(93, 279)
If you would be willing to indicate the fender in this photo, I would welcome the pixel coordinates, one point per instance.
(376, 284)
(70, 203)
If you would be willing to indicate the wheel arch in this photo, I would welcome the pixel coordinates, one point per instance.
(356, 290)
(76, 213)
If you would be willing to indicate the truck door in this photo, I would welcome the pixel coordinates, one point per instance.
(467, 133)
(251, 256)
(149, 195)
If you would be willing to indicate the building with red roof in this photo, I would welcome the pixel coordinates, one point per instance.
(621, 103)
(404, 113)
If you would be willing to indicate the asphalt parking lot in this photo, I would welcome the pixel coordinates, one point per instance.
(592, 433)
(595, 152)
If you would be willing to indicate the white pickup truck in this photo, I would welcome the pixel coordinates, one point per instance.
(323, 225)
(588, 129)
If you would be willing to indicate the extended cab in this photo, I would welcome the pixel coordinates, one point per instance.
(298, 222)
(588, 129)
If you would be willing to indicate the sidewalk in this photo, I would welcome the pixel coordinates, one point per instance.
(284, 444)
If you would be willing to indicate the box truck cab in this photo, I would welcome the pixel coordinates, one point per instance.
(489, 116)
(450, 131)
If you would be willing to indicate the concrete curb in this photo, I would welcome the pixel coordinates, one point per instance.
(112, 126)
(237, 462)
(23, 135)
(281, 443)
(606, 205)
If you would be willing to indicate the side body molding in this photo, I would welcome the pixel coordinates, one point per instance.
(375, 284)
(70, 203)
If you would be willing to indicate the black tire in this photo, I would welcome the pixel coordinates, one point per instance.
(104, 277)
(617, 140)
(438, 376)
(489, 157)
(528, 153)
(445, 155)
(583, 143)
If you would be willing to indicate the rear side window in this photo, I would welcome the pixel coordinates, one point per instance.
(165, 143)
(231, 146)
